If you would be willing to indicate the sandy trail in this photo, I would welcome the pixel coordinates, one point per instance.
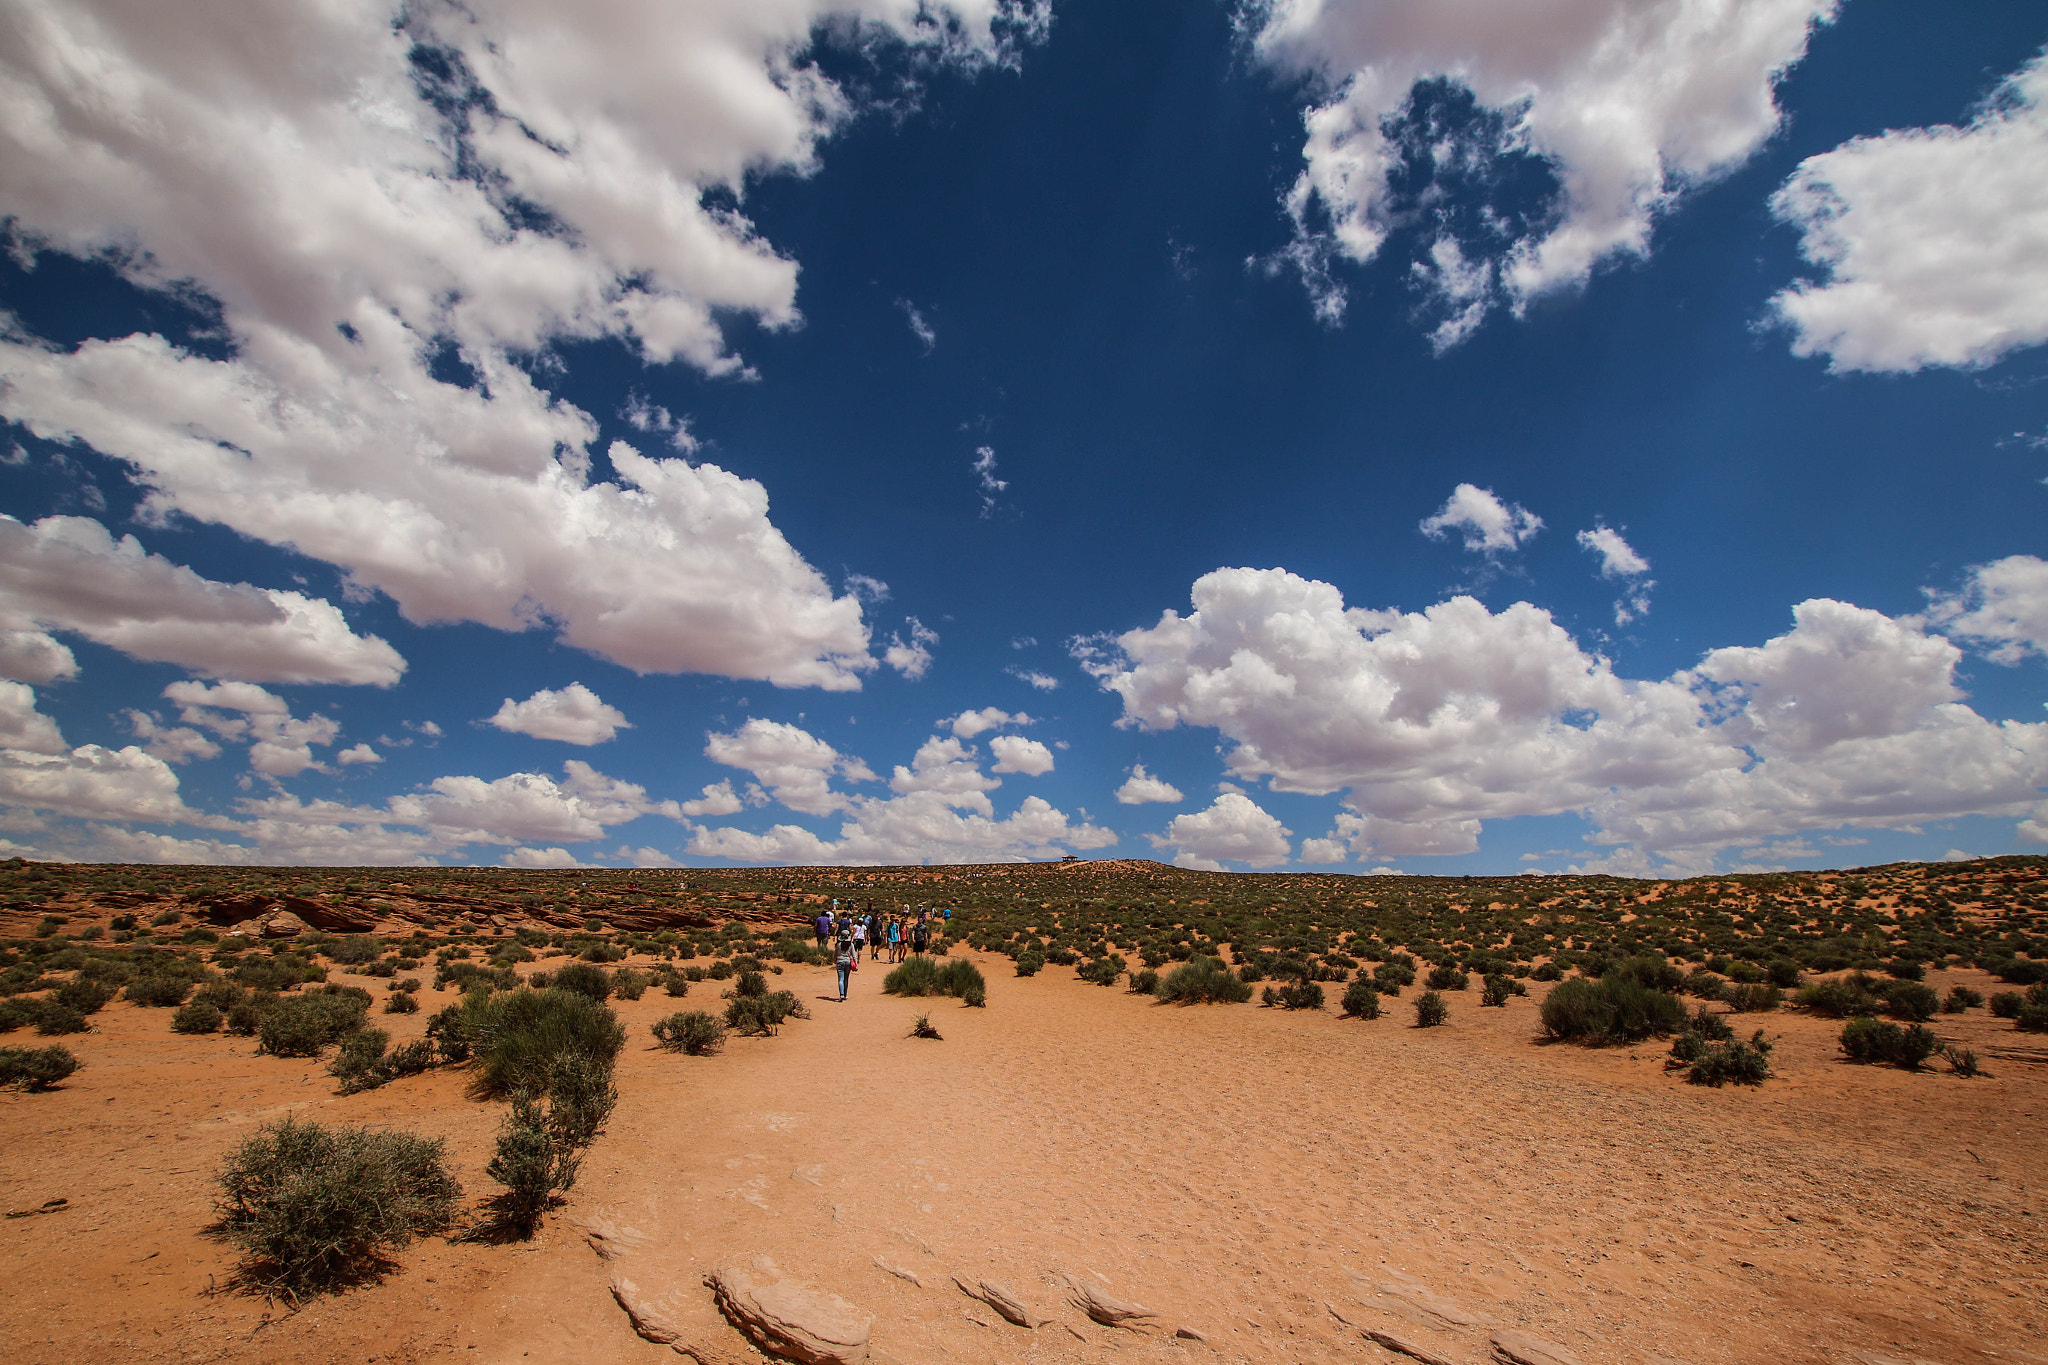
(1261, 1177)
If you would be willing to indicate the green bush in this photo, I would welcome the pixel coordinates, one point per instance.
(85, 996)
(1865, 1039)
(1702, 984)
(1783, 972)
(1753, 998)
(1651, 971)
(691, 1031)
(1911, 1001)
(159, 991)
(629, 983)
(245, 1016)
(1392, 977)
(196, 1016)
(1729, 1063)
(35, 1068)
(1549, 971)
(1496, 989)
(399, 1002)
(1361, 1000)
(533, 1165)
(1844, 999)
(54, 1018)
(1298, 995)
(355, 950)
(1962, 1061)
(1445, 977)
(1145, 982)
(315, 1208)
(301, 1025)
(359, 1065)
(1430, 1010)
(2006, 1004)
(915, 975)
(1615, 1009)
(676, 984)
(1204, 981)
(519, 1036)
(1030, 963)
(1102, 971)
(762, 1014)
(1961, 998)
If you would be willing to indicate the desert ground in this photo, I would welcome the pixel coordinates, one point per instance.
(1274, 1185)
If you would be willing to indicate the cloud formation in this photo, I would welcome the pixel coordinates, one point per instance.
(1619, 561)
(2003, 607)
(1931, 244)
(1487, 525)
(1142, 786)
(793, 764)
(573, 715)
(1629, 103)
(1234, 829)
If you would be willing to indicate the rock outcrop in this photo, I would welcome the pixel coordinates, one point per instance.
(1002, 1300)
(1104, 1309)
(784, 1318)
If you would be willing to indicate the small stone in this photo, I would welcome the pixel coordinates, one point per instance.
(658, 1319)
(1189, 1334)
(810, 1325)
(1104, 1309)
(891, 1268)
(1000, 1298)
(1402, 1346)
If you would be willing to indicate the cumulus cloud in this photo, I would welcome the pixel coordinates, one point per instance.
(948, 771)
(32, 656)
(357, 754)
(968, 724)
(171, 743)
(1487, 525)
(794, 765)
(1619, 561)
(718, 799)
(280, 744)
(22, 726)
(1016, 754)
(1931, 243)
(912, 660)
(540, 858)
(573, 715)
(1432, 722)
(69, 573)
(2003, 607)
(992, 487)
(919, 328)
(1628, 103)
(1324, 851)
(360, 190)
(1044, 682)
(96, 783)
(1234, 829)
(1142, 786)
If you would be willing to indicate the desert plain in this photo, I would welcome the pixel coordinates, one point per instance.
(1270, 1184)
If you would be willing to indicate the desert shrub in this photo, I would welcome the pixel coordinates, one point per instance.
(409, 985)
(314, 1208)
(355, 950)
(1729, 1063)
(222, 995)
(1392, 977)
(399, 1002)
(272, 974)
(959, 976)
(1960, 998)
(1961, 1061)
(35, 1068)
(915, 975)
(1298, 995)
(533, 1165)
(384, 970)
(1204, 981)
(85, 996)
(1702, 984)
(761, 1015)
(1905, 969)
(359, 1065)
(1445, 977)
(1783, 972)
(518, 1037)
(1753, 997)
(1911, 1001)
(691, 1031)
(16, 1014)
(676, 985)
(2006, 1004)
(245, 1016)
(1651, 971)
(1865, 1039)
(301, 1025)
(411, 1059)
(1145, 982)
(196, 1016)
(160, 991)
(1104, 970)
(54, 1018)
(584, 979)
(2032, 1016)
(1549, 971)
(1615, 1009)
(1843, 999)
(2016, 972)
(1030, 963)
(1361, 1000)
(1430, 1010)
(1496, 989)
(629, 983)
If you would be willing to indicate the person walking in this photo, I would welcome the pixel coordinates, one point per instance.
(920, 937)
(895, 940)
(823, 926)
(847, 958)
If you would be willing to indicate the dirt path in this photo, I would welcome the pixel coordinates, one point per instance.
(1245, 1172)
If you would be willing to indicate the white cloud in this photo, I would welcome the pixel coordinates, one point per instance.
(1932, 243)
(280, 744)
(95, 783)
(718, 799)
(1044, 682)
(991, 486)
(69, 573)
(949, 771)
(794, 765)
(1436, 721)
(912, 660)
(1629, 103)
(358, 754)
(1142, 786)
(1618, 560)
(968, 724)
(1325, 851)
(1488, 525)
(645, 857)
(573, 715)
(425, 727)
(173, 743)
(32, 656)
(540, 858)
(22, 726)
(1016, 754)
(919, 328)
(1235, 828)
(354, 214)
(2003, 606)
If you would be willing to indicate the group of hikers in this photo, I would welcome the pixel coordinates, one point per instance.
(847, 931)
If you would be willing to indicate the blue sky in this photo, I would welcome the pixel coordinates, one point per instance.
(1441, 437)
